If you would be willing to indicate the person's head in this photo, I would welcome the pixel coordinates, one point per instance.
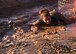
(45, 16)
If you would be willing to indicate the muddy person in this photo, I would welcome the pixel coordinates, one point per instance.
(47, 19)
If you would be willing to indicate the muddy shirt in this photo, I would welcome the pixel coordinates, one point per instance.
(54, 22)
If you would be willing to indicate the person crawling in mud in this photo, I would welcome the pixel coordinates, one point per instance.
(47, 19)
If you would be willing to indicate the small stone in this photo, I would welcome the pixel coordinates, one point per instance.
(5, 38)
(34, 28)
(9, 44)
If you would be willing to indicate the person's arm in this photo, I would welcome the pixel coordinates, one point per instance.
(36, 23)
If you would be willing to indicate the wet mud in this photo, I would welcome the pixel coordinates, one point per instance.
(21, 38)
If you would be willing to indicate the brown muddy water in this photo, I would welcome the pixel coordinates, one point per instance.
(23, 39)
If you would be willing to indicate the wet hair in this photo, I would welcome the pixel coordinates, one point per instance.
(45, 12)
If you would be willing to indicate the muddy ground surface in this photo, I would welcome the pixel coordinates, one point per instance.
(25, 39)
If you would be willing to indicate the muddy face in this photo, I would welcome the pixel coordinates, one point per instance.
(46, 19)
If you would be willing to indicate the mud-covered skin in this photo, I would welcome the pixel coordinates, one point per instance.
(52, 40)
(56, 19)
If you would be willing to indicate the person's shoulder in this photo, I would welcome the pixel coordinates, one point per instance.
(54, 13)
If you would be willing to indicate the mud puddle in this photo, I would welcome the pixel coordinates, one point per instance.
(49, 40)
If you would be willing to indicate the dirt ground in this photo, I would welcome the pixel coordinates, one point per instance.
(25, 39)
(46, 40)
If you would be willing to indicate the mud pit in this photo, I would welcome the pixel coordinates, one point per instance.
(23, 39)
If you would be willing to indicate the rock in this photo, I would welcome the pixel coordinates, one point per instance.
(34, 28)
(5, 38)
(9, 44)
